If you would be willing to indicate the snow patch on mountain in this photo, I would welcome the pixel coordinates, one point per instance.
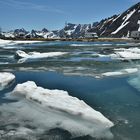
(125, 22)
(122, 26)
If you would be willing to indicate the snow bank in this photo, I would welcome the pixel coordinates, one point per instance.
(5, 79)
(61, 110)
(26, 41)
(5, 42)
(121, 72)
(35, 55)
(10, 42)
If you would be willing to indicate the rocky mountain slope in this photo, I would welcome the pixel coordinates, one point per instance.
(74, 30)
(120, 25)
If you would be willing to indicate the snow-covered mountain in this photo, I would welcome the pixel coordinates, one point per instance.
(22, 33)
(115, 26)
(18, 33)
(120, 25)
(69, 31)
(74, 30)
(44, 33)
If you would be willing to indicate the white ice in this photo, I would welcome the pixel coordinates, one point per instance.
(5, 79)
(5, 42)
(11, 42)
(128, 54)
(35, 55)
(121, 72)
(26, 41)
(56, 108)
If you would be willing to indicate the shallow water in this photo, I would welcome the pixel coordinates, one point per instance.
(117, 98)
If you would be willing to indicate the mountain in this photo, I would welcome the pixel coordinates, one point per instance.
(74, 30)
(44, 33)
(115, 26)
(18, 33)
(22, 34)
(119, 25)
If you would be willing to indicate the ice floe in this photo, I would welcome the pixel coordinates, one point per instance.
(5, 79)
(57, 109)
(128, 54)
(97, 44)
(23, 56)
(121, 72)
(123, 54)
(26, 41)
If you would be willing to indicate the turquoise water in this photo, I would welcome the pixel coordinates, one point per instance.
(114, 97)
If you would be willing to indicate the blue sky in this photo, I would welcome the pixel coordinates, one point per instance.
(52, 14)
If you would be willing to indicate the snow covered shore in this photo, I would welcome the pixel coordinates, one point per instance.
(5, 79)
(10, 42)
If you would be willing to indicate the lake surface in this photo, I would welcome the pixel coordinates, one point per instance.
(117, 98)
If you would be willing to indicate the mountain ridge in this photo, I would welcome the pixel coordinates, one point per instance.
(115, 26)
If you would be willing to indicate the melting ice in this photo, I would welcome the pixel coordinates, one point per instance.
(46, 109)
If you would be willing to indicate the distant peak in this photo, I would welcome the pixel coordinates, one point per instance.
(45, 30)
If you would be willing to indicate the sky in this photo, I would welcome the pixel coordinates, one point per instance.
(52, 14)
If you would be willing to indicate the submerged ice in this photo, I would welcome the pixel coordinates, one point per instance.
(135, 81)
(47, 109)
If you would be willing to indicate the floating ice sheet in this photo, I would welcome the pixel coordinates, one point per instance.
(47, 109)
(128, 54)
(23, 56)
(121, 72)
